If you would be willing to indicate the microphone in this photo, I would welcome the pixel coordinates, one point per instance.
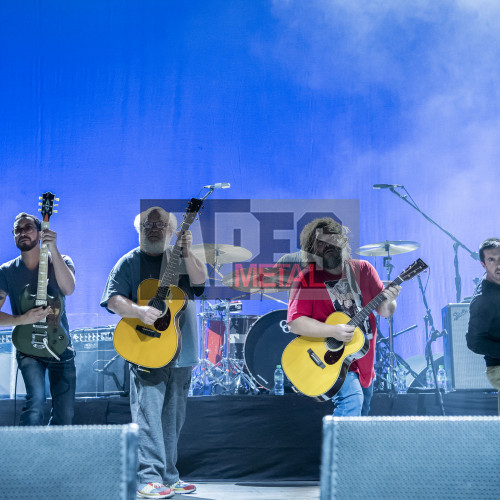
(219, 185)
(386, 186)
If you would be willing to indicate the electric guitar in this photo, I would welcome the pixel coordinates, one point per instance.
(317, 367)
(46, 338)
(156, 345)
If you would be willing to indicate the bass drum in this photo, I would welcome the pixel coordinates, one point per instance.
(264, 346)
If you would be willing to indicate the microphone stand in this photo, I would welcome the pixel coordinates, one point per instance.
(456, 244)
(434, 334)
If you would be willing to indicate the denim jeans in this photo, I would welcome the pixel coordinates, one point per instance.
(62, 380)
(352, 400)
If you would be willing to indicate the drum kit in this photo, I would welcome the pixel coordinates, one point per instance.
(239, 353)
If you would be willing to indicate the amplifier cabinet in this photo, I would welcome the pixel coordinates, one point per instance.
(465, 369)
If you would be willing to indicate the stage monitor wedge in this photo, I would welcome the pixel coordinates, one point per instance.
(410, 458)
(62, 462)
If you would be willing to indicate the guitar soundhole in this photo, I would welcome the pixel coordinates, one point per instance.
(162, 323)
(331, 357)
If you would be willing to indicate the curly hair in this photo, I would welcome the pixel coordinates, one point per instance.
(308, 239)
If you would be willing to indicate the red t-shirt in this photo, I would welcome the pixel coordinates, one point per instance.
(309, 297)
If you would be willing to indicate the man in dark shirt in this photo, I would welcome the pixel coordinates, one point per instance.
(483, 335)
(15, 275)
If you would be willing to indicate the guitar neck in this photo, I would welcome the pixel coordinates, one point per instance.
(359, 318)
(43, 272)
(171, 272)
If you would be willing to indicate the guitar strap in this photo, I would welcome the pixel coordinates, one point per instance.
(345, 295)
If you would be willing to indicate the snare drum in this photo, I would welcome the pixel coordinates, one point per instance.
(265, 344)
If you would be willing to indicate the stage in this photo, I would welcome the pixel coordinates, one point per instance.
(264, 437)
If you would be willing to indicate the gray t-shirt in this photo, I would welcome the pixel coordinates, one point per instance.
(14, 276)
(136, 266)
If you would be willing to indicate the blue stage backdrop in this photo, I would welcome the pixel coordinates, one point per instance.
(109, 102)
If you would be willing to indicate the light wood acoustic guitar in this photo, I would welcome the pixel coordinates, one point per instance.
(46, 338)
(157, 345)
(317, 367)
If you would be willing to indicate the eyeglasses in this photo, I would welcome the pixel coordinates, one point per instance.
(28, 228)
(150, 225)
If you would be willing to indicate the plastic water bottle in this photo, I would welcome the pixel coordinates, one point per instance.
(279, 379)
(429, 378)
(401, 374)
(441, 379)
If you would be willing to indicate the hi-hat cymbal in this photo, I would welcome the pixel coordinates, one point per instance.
(219, 253)
(386, 248)
(251, 280)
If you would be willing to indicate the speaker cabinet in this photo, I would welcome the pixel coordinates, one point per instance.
(87, 462)
(464, 368)
(99, 369)
(410, 458)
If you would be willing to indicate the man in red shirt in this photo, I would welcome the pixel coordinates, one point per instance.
(336, 282)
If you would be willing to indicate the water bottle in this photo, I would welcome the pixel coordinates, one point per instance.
(279, 378)
(441, 379)
(401, 374)
(429, 378)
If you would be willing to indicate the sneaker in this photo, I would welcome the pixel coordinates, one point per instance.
(183, 488)
(154, 490)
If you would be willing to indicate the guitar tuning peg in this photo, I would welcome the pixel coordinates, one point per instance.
(56, 199)
(39, 209)
(55, 211)
(56, 204)
(39, 197)
(39, 204)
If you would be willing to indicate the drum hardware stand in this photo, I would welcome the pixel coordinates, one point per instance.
(456, 243)
(431, 337)
(233, 375)
(204, 372)
(391, 368)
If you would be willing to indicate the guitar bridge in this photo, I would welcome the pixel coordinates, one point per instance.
(316, 359)
(148, 332)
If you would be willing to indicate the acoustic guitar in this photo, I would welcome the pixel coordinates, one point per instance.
(157, 345)
(47, 338)
(317, 367)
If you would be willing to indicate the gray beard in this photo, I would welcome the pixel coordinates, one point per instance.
(152, 247)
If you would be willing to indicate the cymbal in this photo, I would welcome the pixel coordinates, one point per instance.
(250, 280)
(386, 248)
(219, 253)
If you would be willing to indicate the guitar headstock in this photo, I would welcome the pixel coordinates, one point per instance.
(47, 205)
(194, 206)
(413, 270)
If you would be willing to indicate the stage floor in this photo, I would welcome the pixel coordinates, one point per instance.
(277, 490)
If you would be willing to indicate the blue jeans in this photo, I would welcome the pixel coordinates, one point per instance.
(62, 380)
(352, 400)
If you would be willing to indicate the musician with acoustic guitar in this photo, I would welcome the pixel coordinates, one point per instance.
(36, 283)
(335, 282)
(158, 336)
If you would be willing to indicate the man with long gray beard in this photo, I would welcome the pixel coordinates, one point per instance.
(158, 396)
